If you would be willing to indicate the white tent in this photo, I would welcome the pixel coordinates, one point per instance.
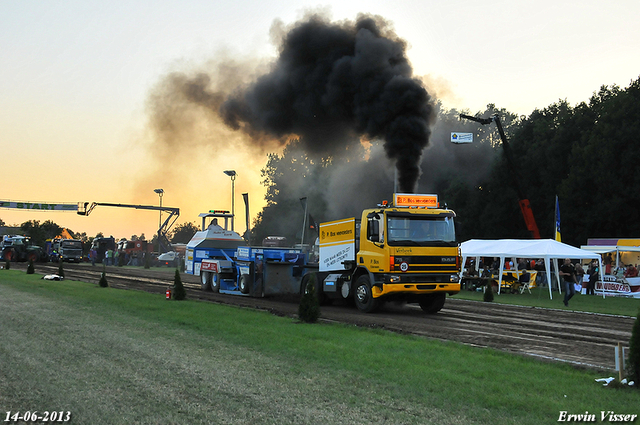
(604, 249)
(524, 248)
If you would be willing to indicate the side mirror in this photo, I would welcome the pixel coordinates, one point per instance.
(373, 231)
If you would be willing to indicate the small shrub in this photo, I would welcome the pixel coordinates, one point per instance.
(7, 265)
(633, 364)
(60, 268)
(30, 268)
(488, 293)
(309, 309)
(103, 279)
(178, 292)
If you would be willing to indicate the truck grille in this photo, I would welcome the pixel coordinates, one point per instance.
(426, 263)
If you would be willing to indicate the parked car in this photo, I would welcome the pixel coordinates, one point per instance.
(169, 259)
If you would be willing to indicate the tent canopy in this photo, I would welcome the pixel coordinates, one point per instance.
(524, 248)
(603, 249)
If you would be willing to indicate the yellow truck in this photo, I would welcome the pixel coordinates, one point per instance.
(405, 251)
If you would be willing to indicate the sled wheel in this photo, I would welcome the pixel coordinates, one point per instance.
(205, 281)
(215, 282)
(244, 283)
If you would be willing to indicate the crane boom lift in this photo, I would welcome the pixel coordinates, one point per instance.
(85, 208)
(523, 202)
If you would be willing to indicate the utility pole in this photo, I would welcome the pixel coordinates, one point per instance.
(160, 192)
(304, 220)
(232, 174)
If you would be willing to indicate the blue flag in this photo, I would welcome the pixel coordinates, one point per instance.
(558, 238)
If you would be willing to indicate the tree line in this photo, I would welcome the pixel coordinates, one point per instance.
(585, 154)
(47, 230)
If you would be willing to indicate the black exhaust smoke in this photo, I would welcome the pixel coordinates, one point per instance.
(332, 85)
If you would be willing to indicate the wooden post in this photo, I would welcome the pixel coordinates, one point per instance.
(620, 361)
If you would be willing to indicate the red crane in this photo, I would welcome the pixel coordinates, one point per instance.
(525, 205)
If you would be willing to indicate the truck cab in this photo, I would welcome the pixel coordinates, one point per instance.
(70, 250)
(406, 251)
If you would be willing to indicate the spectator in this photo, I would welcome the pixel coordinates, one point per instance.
(593, 278)
(524, 278)
(486, 273)
(541, 276)
(522, 264)
(607, 263)
(508, 265)
(495, 265)
(568, 273)
(579, 274)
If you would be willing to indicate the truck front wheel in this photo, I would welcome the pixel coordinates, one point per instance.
(364, 297)
(431, 304)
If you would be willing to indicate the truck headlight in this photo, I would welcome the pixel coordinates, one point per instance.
(454, 278)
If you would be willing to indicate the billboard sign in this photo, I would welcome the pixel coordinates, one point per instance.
(461, 137)
(415, 200)
(38, 206)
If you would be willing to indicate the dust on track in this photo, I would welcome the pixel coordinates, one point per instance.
(582, 339)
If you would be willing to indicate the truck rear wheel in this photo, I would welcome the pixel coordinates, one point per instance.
(431, 304)
(363, 296)
(205, 281)
(322, 299)
(215, 282)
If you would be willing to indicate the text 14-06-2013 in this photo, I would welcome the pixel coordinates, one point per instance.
(35, 416)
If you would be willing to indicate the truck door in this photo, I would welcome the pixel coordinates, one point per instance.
(371, 253)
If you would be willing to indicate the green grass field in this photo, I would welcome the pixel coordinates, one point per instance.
(126, 357)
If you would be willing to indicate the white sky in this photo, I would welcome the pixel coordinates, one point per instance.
(75, 76)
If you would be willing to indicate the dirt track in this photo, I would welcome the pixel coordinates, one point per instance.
(582, 339)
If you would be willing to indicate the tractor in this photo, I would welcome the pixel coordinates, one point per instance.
(19, 248)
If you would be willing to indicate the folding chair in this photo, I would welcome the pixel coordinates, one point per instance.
(525, 280)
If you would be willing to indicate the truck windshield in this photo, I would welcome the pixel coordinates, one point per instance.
(421, 231)
(72, 244)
